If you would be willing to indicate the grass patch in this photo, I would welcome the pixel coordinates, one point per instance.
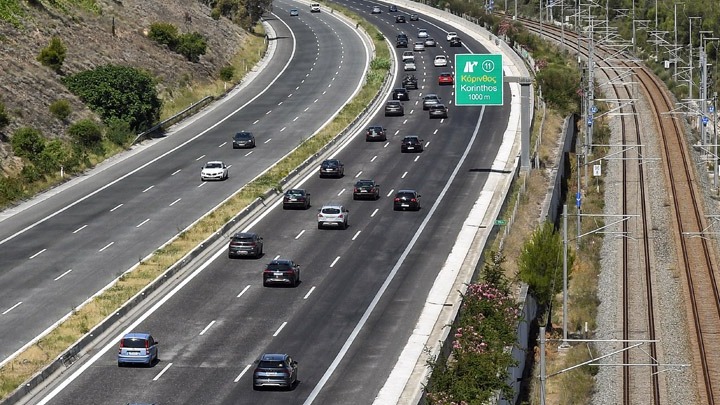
(11, 11)
(57, 341)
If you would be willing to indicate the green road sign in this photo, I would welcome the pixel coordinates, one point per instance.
(478, 79)
(500, 222)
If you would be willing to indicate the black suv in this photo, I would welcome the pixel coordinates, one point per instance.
(392, 8)
(375, 133)
(245, 244)
(401, 94)
(243, 140)
(410, 82)
(296, 197)
(332, 167)
(455, 42)
(411, 144)
(401, 41)
(406, 200)
(366, 189)
(281, 271)
(438, 111)
(394, 107)
(400, 19)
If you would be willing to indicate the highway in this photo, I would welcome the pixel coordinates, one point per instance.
(62, 249)
(214, 327)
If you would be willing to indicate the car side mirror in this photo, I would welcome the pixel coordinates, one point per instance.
(419, 196)
(157, 343)
(422, 140)
(294, 363)
(307, 194)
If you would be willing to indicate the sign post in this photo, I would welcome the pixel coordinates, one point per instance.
(478, 79)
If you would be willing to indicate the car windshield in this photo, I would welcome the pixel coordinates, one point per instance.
(331, 210)
(271, 364)
(134, 343)
(393, 104)
(329, 164)
(213, 165)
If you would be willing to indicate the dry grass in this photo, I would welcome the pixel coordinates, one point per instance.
(59, 340)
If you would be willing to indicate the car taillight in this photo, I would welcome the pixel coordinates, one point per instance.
(121, 346)
(397, 199)
(147, 347)
(356, 190)
(413, 200)
(340, 216)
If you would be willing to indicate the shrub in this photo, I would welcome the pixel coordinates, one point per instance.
(559, 84)
(30, 173)
(54, 155)
(11, 189)
(380, 63)
(86, 133)
(164, 33)
(191, 46)
(227, 73)
(4, 117)
(118, 131)
(53, 55)
(215, 14)
(61, 109)
(28, 143)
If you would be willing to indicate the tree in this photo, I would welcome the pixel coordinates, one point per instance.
(28, 143)
(54, 155)
(227, 73)
(121, 92)
(191, 45)
(53, 55)
(164, 33)
(86, 133)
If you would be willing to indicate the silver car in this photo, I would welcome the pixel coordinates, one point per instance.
(422, 33)
(214, 170)
(333, 215)
(275, 370)
(419, 47)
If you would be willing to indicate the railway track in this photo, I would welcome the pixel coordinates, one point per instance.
(695, 254)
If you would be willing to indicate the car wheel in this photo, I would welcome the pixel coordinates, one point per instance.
(355, 197)
(345, 225)
(120, 364)
(230, 256)
(320, 225)
(265, 283)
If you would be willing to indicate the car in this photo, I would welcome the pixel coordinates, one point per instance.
(294, 12)
(445, 78)
(375, 133)
(408, 56)
(137, 348)
(332, 168)
(400, 19)
(314, 8)
(440, 61)
(275, 370)
(214, 170)
(366, 189)
(414, 17)
(401, 41)
(429, 42)
(333, 215)
(430, 99)
(455, 42)
(376, 10)
(419, 46)
(422, 33)
(411, 143)
(401, 94)
(410, 82)
(392, 8)
(245, 244)
(406, 200)
(409, 66)
(281, 271)
(451, 35)
(296, 197)
(243, 139)
(394, 107)
(438, 111)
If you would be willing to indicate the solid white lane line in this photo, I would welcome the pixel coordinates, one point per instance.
(356, 235)
(80, 229)
(309, 292)
(341, 191)
(174, 202)
(202, 332)
(157, 377)
(176, 172)
(62, 275)
(116, 207)
(334, 261)
(11, 308)
(300, 234)
(142, 223)
(247, 287)
(37, 254)
(373, 159)
(106, 246)
(374, 212)
(358, 175)
(277, 332)
(403, 176)
(200, 158)
(242, 373)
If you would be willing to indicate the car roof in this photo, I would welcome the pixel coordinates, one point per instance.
(137, 335)
(366, 181)
(411, 137)
(295, 190)
(244, 235)
(281, 261)
(331, 161)
(212, 162)
(273, 357)
(406, 191)
(331, 206)
(393, 102)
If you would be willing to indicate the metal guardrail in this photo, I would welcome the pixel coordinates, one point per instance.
(175, 118)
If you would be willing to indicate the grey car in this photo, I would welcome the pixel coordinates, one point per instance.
(245, 244)
(333, 215)
(296, 197)
(438, 111)
(430, 100)
(137, 348)
(243, 139)
(275, 370)
(394, 107)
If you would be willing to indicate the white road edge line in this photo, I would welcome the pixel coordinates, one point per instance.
(242, 373)
(157, 377)
(202, 332)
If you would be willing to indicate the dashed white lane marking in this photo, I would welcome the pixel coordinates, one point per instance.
(106, 246)
(268, 112)
(390, 193)
(37, 254)
(309, 292)
(300, 234)
(268, 140)
(403, 176)
(373, 159)
(202, 332)
(176, 172)
(334, 261)
(62, 275)
(80, 229)
(142, 223)
(256, 121)
(356, 235)
(174, 202)
(416, 158)
(242, 373)
(276, 257)
(341, 191)
(116, 207)
(249, 153)
(199, 158)
(222, 144)
(374, 212)
(277, 332)
(358, 175)
(247, 287)
(283, 128)
(11, 308)
(157, 377)
(435, 132)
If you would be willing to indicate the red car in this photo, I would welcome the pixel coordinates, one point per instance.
(446, 78)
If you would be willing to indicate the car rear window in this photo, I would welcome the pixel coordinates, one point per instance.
(134, 343)
(271, 364)
(294, 192)
(406, 195)
(242, 135)
(278, 266)
(364, 184)
(330, 210)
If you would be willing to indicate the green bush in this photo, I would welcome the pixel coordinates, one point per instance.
(28, 143)
(227, 73)
(191, 46)
(53, 55)
(55, 155)
(164, 33)
(559, 85)
(380, 64)
(118, 131)
(4, 117)
(215, 14)
(11, 189)
(86, 133)
(61, 109)
(30, 173)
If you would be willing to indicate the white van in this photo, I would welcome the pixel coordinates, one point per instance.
(314, 8)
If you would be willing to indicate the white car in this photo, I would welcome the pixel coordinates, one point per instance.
(419, 46)
(440, 61)
(408, 56)
(422, 33)
(314, 8)
(376, 10)
(214, 170)
(333, 215)
(410, 66)
(451, 35)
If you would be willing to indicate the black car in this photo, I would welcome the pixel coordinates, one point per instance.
(400, 19)
(413, 17)
(332, 168)
(275, 370)
(401, 94)
(243, 140)
(366, 189)
(296, 197)
(392, 8)
(455, 42)
(438, 111)
(410, 82)
(411, 144)
(375, 133)
(281, 271)
(394, 107)
(245, 244)
(401, 41)
(406, 200)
